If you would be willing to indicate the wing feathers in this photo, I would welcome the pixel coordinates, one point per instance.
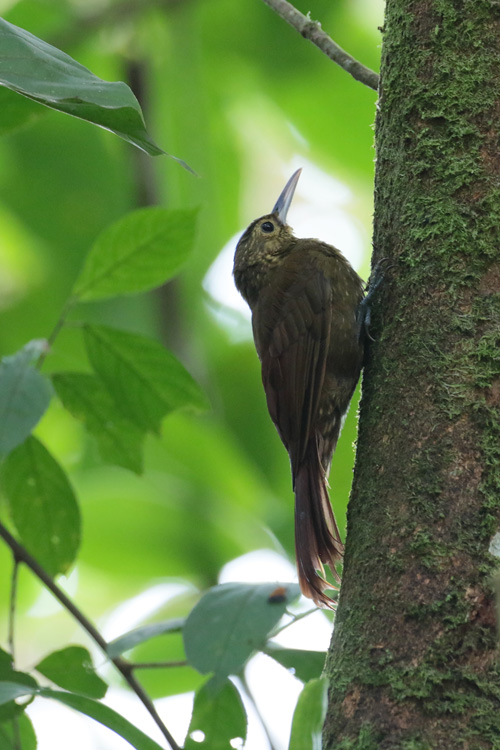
(293, 354)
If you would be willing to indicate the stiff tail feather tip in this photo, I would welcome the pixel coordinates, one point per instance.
(317, 538)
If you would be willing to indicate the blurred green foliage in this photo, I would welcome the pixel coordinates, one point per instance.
(236, 93)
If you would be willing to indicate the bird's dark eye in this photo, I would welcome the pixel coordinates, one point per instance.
(267, 226)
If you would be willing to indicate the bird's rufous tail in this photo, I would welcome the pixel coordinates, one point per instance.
(317, 538)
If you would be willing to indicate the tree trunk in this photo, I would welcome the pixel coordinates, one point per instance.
(413, 662)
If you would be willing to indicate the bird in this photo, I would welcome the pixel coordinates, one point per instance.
(308, 328)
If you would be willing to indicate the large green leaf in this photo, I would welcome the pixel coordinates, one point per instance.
(86, 398)
(144, 378)
(71, 668)
(140, 251)
(140, 635)
(24, 395)
(42, 505)
(41, 72)
(305, 665)
(309, 716)
(232, 621)
(219, 719)
(96, 710)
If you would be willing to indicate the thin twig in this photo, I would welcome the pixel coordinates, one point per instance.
(16, 733)
(125, 669)
(12, 609)
(295, 618)
(68, 306)
(312, 30)
(249, 694)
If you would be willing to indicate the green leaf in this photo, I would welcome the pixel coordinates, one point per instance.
(24, 395)
(43, 73)
(71, 668)
(305, 665)
(218, 718)
(232, 621)
(144, 378)
(8, 674)
(42, 505)
(20, 734)
(309, 716)
(139, 635)
(9, 691)
(140, 251)
(106, 716)
(86, 398)
(96, 710)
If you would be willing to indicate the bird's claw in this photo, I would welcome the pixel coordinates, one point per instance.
(364, 311)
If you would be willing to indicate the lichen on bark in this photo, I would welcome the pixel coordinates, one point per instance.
(414, 656)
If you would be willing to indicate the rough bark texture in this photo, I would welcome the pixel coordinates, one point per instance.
(414, 656)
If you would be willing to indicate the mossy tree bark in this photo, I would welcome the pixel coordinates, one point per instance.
(414, 657)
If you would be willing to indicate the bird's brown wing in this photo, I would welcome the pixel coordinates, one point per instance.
(292, 331)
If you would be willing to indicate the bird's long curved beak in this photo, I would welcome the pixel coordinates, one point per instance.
(283, 203)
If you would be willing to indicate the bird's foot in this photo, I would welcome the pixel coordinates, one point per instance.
(364, 311)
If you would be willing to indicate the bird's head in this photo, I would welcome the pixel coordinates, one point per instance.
(269, 237)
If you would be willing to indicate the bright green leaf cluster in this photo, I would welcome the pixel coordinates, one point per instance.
(71, 668)
(9, 691)
(229, 624)
(136, 381)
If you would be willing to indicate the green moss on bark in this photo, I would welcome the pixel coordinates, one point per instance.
(414, 658)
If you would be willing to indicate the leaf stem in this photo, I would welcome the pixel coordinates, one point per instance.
(125, 669)
(295, 618)
(68, 306)
(249, 694)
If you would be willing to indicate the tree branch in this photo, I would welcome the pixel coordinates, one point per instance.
(12, 608)
(312, 30)
(125, 669)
